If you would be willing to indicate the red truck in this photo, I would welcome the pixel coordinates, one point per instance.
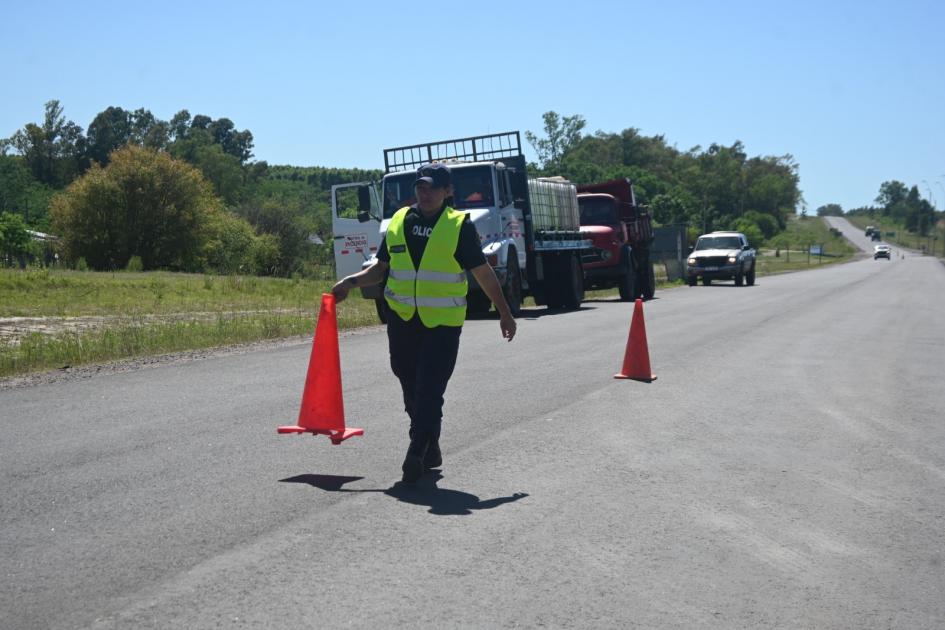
(621, 232)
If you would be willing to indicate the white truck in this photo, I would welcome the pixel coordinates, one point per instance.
(529, 228)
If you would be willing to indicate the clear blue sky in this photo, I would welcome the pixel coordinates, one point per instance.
(855, 91)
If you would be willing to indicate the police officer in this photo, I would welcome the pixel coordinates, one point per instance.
(426, 252)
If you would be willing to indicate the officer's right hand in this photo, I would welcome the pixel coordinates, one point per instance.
(340, 290)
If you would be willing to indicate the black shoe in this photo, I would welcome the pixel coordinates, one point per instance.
(434, 457)
(413, 462)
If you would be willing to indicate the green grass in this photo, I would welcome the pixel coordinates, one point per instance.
(789, 250)
(156, 313)
(44, 292)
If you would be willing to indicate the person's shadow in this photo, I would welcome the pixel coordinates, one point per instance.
(441, 501)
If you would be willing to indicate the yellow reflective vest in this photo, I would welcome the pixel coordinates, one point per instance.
(437, 290)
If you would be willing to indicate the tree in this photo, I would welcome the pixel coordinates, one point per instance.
(55, 151)
(830, 210)
(21, 194)
(561, 135)
(233, 247)
(109, 130)
(144, 203)
(14, 239)
(891, 194)
(283, 220)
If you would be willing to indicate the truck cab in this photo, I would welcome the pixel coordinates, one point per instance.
(621, 233)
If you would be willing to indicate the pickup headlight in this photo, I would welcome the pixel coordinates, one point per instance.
(732, 259)
(692, 261)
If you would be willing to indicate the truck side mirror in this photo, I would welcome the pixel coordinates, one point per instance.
(364, 200)
(363, 217)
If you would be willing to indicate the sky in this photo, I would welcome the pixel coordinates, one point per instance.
(854, 91)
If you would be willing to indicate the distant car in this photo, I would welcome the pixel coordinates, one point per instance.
(869, 230)
(882, 251)
(876, 235)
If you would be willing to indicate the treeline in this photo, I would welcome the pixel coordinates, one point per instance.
(714, 188)
(897, 203)
(182, 194)
(112, 193)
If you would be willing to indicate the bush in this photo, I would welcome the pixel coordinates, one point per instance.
(143, 203)
(134, 264)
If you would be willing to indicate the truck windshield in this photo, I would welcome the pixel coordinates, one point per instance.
(472, 188)
(398, 192)
(719, 242)
(598, 211)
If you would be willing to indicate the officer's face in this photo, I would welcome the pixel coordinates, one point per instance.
(430, 199)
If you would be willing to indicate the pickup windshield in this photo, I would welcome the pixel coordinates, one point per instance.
(597, 211)
(719, 242)
(472, 188)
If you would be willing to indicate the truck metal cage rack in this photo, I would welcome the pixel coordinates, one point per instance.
(492, 147)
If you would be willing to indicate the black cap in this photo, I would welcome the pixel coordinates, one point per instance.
(437, 175)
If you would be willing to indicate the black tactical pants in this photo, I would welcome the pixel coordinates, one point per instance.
(423, 359)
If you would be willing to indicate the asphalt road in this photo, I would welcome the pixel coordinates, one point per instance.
(784, 471)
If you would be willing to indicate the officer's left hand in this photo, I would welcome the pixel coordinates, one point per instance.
(508, 325)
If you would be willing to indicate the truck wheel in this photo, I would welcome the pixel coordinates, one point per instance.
(739, 279)
(706, 281)
(572, 282)
(626, 286)
(650, 290)
(513, 285)
(692, 281)
(381, 306)
(750, 278)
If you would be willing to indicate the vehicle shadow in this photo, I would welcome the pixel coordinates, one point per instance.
(440, 501)
(533, 312)
(617, 300)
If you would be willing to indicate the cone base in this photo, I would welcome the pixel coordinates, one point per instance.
(636, 378)
(336, 436)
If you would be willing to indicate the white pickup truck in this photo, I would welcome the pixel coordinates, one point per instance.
(721, 256)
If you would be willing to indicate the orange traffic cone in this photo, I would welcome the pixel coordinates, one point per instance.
(636, 359)
(323, 411)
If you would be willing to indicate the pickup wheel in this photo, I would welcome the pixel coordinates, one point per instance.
(692, 281)
(513, 285)
(706, 281)
(739, 279)
(750, 277)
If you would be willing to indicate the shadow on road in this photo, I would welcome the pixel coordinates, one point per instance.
(533, 312)
(441, 501)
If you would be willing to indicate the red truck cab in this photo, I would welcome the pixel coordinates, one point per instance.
(621, 232)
